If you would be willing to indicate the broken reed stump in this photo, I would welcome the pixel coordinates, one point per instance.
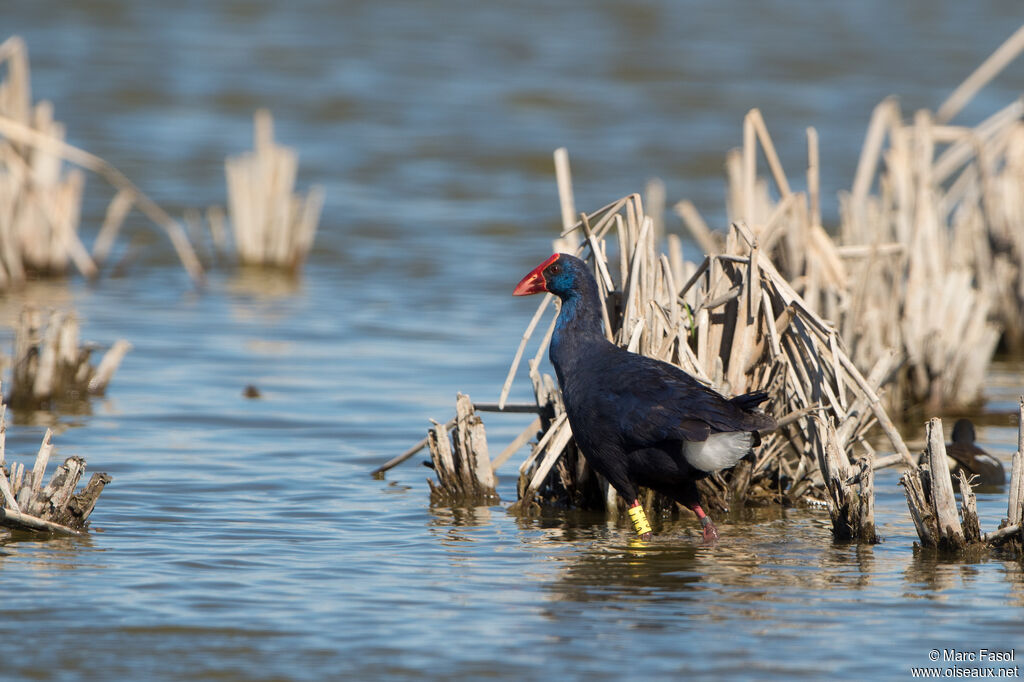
(1010, 533)
(271, 225)
(852, 509)
(49, 364)
(933, 508)
(55, 507)
(41, 200)
(458, 452)
(929, 492)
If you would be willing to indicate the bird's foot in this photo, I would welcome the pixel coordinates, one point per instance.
(710, 532)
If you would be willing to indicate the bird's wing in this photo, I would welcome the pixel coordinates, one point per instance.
(654, 402)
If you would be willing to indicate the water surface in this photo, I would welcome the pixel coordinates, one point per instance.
(244, 539)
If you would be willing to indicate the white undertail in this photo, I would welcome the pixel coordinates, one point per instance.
(719, 451)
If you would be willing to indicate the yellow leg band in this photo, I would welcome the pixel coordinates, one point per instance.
(639, 520)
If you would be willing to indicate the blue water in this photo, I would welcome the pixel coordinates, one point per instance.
(244, 539)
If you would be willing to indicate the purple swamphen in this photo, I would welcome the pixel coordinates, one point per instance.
(637, 420)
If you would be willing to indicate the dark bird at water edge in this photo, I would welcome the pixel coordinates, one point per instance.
(639, 421)
(965, 455)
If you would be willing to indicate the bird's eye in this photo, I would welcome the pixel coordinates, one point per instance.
(555, 269)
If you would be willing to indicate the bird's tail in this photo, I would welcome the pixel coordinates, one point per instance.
(758, 420)
(749, 401)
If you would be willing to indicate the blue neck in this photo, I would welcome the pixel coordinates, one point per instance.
(579, 323)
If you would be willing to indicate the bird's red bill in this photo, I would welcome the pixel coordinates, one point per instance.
(534, 282)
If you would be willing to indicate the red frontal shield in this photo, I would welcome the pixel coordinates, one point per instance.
(534, 282)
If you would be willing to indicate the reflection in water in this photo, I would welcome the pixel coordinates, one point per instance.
(460, 517)
(245, 540)
(66, 413)
(44, 553)
(264, 283)
(1013, 571)
(613, 571)
(55, 294)
(454, 525)
(930, 575)
(761, 551)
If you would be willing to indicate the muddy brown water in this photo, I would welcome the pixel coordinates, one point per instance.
(243, 539)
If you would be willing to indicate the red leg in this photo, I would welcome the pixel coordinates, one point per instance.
(710, 532)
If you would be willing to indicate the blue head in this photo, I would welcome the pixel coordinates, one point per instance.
(561, 274)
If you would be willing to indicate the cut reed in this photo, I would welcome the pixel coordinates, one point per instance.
(928, 259)
(28, 505)
(271, 225)
(930, 498)
(51, 365)
(40, 199)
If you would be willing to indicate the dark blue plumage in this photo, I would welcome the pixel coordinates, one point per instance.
(638, 421)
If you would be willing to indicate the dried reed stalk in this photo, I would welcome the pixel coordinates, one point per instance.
(736, 323)
(461, 460)
(271, 225)
(929, 492)
(911, 268)
(27, 504)
(49, 363)
(40, 201)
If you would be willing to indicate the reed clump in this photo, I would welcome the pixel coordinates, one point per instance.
(40, 199)
(928, 259)
(51, 365)
(271, 225)
(735, 323)
(890, 281)
(26, 504)
(930, 498)
(901, 310)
